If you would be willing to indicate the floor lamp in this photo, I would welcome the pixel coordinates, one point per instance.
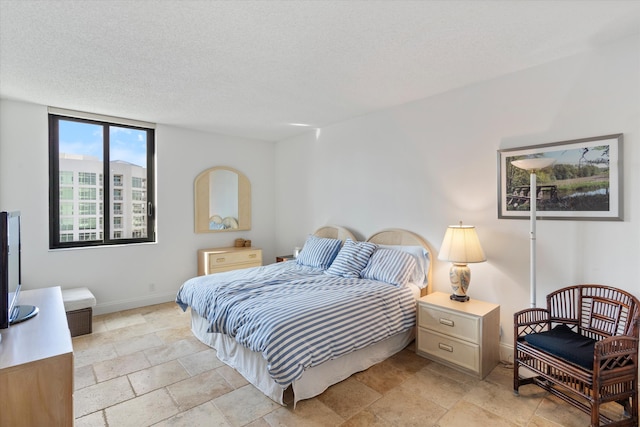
(533, 165)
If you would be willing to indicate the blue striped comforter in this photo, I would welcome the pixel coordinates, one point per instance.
(296, 316)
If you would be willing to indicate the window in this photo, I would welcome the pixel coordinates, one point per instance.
(87, 208)
(66, 178)
(86, 178)
(106, 158)
(87, 193)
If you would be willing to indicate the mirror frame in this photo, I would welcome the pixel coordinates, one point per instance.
(202, 196)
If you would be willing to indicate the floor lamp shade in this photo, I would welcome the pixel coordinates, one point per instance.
(532, 165)
(461, 246)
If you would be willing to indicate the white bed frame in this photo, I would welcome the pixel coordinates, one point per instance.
(315, 380)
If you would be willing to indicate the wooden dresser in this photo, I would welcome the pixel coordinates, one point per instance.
(462, 335)
(36, 365)
(216, 260)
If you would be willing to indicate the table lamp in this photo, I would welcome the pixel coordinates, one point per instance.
(461, 246)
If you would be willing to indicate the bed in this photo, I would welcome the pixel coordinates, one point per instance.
(232, 312)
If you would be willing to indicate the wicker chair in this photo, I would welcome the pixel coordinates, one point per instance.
(606, 320)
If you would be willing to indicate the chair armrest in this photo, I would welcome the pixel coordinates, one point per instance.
(531, 320)
(616, 351)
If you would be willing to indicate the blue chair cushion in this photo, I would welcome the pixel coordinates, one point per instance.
(561, 341)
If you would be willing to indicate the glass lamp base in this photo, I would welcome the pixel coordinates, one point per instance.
(459, 298)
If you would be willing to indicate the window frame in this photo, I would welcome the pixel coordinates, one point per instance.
(104, 204)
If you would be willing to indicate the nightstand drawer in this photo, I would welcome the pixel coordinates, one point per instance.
(449, 323)
(449, 350)
(217, 260)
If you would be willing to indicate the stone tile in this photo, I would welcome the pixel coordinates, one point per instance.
(454, 374)
(348, 397)
(170, 335)
(83, 377)
(156, 377)
(555, 410)
(383, 376)
(308, 413)
(244, 405)
(537, 421)
(469, 415)
(93, 355)
(366, 418)
(260, 422)
(198, 389)
(501, 401)
(203, 415)
(437, 388)
(92, 420)
(120, 366)
(99, 396)
(501, 375)
(202, 361)
(400, 408)
(97, 325)
(123, 320)
(144, 410)
(143, 342)
(174, 350)
(407, 360)
(232, 376)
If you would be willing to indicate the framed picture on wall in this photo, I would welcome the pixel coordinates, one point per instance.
(583, 182)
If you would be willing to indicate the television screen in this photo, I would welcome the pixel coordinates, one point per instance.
(10, 274)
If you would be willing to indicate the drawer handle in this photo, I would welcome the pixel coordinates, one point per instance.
(252, 255)
(447, 322)
(220, 259)
(445, 347)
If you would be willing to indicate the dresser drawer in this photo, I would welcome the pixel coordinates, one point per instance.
(217, 260)
(450, 323)
(449, 350)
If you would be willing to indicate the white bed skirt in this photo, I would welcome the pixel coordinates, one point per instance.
(314, 381)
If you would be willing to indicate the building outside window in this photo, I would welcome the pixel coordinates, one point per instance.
(84, 148)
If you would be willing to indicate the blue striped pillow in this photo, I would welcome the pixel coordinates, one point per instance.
(318, 252)
(390, 266)
(351, 259)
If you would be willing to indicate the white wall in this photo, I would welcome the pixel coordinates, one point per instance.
(431, 163)
(121, 277)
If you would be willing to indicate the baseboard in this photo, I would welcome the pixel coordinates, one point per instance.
(506, 352)
(130, 303)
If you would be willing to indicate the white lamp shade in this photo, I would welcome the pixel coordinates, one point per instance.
(461, 245)
(533, 164)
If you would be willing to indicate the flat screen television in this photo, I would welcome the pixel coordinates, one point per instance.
(11, 272)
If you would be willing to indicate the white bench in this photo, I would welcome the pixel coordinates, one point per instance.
(79, 303)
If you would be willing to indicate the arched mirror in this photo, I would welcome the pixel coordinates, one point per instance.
(222, 200)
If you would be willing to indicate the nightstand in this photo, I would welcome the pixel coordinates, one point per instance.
(282, 258)
(462, 335)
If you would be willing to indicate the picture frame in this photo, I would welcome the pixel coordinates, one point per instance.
(584, 183)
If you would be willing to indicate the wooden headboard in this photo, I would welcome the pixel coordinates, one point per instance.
(334, 232)
(396, 236)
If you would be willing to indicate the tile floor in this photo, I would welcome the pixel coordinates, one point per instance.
(143, 367)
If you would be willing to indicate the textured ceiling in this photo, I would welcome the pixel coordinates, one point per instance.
(251, 68)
